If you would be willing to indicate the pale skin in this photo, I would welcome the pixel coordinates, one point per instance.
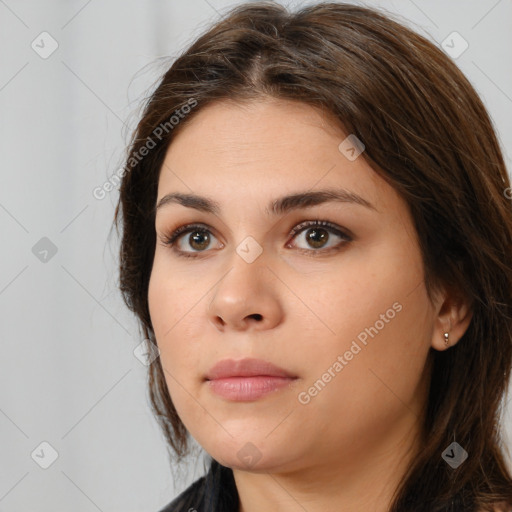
(347, 448)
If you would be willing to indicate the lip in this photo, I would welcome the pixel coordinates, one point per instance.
(247, 367)
(247, 379)
(247, 389)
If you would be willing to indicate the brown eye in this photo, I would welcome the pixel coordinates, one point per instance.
(317, 237)
(318, 234)
(199, 240)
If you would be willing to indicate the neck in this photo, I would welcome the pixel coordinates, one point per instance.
(363, 478)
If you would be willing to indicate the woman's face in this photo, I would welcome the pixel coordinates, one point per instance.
(341, 308)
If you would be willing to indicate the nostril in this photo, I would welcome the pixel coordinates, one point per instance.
(256, 316)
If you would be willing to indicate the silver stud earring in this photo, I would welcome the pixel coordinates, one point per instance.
(446, 338)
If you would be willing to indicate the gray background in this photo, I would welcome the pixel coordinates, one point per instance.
(69, 376)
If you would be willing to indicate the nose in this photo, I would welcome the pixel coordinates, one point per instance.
(247, 297)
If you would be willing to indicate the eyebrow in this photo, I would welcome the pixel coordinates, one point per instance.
(276, 207)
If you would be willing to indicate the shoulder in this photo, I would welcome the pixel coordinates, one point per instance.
(189, 498)
(213, 492)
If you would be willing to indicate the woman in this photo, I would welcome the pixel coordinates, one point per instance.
(317, 237)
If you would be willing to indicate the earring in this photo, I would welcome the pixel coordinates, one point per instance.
(446, 338)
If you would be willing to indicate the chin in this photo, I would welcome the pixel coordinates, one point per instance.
(248, 452)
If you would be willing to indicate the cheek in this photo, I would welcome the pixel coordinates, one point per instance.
(374, 313)
(169, 296)
(178, 353)
(377, 358)
(377, 383)
(169, 310)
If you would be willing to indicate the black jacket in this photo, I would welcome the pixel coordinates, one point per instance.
(214, 492)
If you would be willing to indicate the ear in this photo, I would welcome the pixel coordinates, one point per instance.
(453, 315)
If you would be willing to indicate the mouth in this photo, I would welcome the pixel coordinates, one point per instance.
(248, 389)
(247, 379)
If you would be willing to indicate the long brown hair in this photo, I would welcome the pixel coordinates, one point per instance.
(428, 134)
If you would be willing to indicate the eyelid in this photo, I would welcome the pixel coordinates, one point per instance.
(344, 233)
(170, 239)
(329, 226)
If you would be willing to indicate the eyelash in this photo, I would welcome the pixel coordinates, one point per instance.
(169, 240)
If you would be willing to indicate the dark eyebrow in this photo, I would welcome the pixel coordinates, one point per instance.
(277, 207)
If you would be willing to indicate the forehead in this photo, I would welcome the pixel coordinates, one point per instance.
(264, 128)
(262, 150)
